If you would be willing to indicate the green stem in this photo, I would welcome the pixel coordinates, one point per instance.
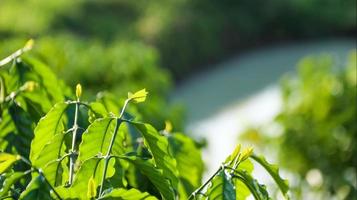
(107, 156)
(72, 158)
(205, 184)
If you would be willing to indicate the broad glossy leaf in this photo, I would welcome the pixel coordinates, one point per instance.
(97, 137)
(49, 160)
(159, 148)
(6, 161)
(222, 187)
(273, 170)
(131, 194)
(154, 175)
(91, 168)
(47, 128)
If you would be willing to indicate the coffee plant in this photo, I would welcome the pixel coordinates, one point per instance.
(55, 145)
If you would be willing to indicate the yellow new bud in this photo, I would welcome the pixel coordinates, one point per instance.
(78, 91)
(29, 86)
(168, 126)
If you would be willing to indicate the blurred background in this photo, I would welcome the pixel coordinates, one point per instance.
(278, 75)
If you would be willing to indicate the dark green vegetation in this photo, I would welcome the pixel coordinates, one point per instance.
(54, 146)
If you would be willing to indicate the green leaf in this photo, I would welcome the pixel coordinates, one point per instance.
(259, 191)
(37, 189)
(189, 161)
(9, 181)
(51, 162)
(242, 191)
(222, 187)
(6, 161)
(273, 170)
(131, 194)
(154, 175)
(139, 96)
(91, 168)
(159, 147)
(97, 137)
(49, 126)
(47, 79)
(24, 129)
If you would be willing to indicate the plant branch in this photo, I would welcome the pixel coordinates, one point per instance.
(107, 156)
(72, 158)
(206, 183)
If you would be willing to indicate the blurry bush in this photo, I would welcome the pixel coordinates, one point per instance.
(186, 33)
(315, 134)
(319, 129)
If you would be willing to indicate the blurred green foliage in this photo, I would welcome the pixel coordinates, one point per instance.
(319, 123)
(187, 34)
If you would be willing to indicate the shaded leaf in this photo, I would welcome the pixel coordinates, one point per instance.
(9, 181)
(37, 189)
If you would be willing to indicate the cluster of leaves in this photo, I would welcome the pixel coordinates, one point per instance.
(54, 146)
(319, 111)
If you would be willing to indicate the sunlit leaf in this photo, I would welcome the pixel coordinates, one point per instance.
(6, 161)
(89, 169)
(189, 161)
(273, 170)
(131, 194)
(47, 128)
(139, 96)
(97, 137)
(259, 191)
